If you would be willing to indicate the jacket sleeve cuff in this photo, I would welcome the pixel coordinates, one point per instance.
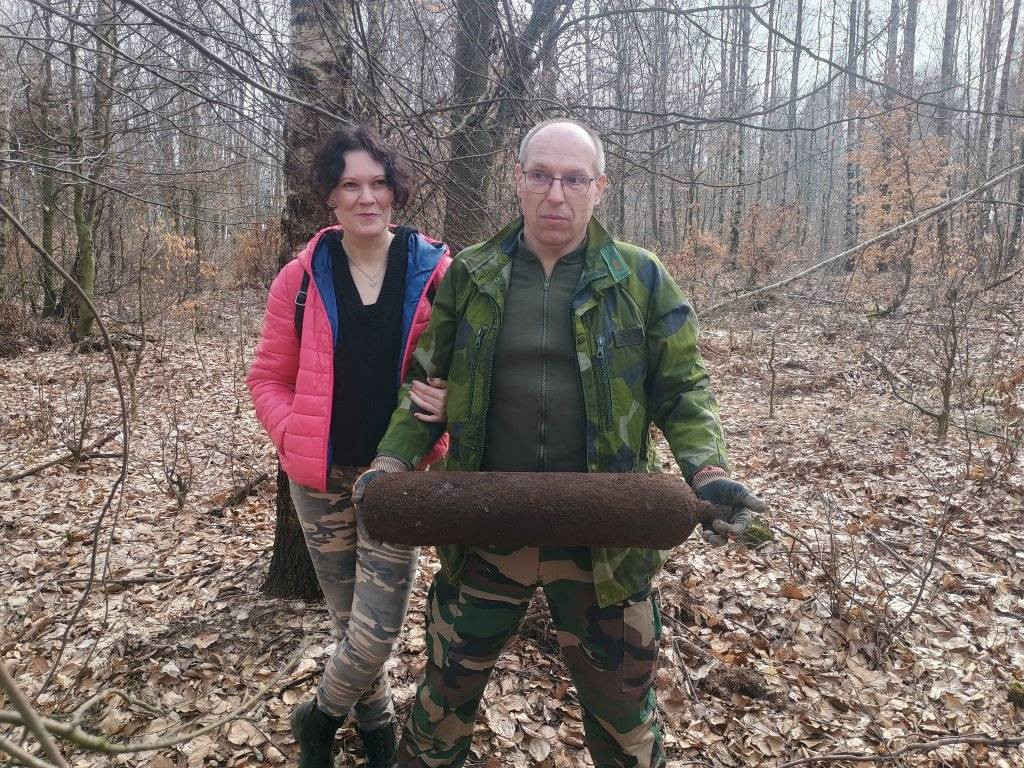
(387, 463)
(707, 475)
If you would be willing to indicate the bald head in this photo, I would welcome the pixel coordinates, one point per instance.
(571, 131)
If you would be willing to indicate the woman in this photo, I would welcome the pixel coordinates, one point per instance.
(341, 322)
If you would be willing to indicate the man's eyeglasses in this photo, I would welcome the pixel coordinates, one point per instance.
(540, 182)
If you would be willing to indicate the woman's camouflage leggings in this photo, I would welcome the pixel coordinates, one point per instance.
(366, 586)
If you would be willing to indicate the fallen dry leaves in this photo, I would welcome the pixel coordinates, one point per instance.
(768, 654)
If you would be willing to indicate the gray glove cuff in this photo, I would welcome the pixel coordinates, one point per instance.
(707, 475)
(388, 464)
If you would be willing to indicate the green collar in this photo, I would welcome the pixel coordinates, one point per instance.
(486, 261)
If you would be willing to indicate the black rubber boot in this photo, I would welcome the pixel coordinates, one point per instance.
(314, 731)
(380, 745)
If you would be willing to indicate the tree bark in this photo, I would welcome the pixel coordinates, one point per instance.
(1016, 239)
(850, 220)
(48, 190)
(465, 184)
(320, 73)
(6, 104)
(291, 573)
(738, 196)
(997, 131)
(790, 160)
(943, 121)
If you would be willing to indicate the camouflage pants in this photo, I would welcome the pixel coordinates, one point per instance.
(366, 585)
(610, 653)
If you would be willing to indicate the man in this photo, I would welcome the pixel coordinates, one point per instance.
(560, 346)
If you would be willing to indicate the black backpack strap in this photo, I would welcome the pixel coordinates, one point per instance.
(300, 303)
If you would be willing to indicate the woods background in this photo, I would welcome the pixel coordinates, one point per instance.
(836, 186)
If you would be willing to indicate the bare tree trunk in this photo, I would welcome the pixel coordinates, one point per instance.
(291, 571)
(769, 76)
(737, 209)
(48, 190)
(943, 122)
(990, 59)
(997, 132)
(6, 103)
(1016, 239)
(320, 73)
(850, 221)
(478, 135)
(84, 268)
(617, 173)
(469, 166)
(789, 161)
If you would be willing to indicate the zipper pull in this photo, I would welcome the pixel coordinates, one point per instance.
(600, 347)
(479, 338)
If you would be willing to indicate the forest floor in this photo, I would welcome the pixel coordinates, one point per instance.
(886, 614)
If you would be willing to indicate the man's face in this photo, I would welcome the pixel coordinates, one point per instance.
(556, 219)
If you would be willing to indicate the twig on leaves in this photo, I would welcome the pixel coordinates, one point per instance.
(980, 739)
(22, 756)
(123, 471)
(29, 717)
(79, 714)
(240, 493)
(84, 453)
(71, 731)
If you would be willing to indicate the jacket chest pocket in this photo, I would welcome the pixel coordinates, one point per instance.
(474, 359)
(620, 367)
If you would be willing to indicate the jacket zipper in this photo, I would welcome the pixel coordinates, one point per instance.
(606, 387)
(476, 364)
(579, 373)
(478, 459)
(542, 447)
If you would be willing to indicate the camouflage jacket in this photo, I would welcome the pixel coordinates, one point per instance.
(636, 340)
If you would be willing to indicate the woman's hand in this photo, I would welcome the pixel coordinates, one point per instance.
(432, 398)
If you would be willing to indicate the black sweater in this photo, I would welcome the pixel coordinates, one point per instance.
(366, 358)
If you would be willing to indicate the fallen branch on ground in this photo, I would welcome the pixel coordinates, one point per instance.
(70, 730)
(240, 493)
(978, 739)
(85, 453)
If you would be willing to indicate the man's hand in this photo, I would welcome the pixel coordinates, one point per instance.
(381, 465)
(733, 505)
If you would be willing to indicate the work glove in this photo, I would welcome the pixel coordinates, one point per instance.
(733, 503)
(381, 465)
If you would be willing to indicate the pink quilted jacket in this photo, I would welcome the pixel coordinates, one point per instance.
(292, 380)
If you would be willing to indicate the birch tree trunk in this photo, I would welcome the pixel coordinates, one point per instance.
(737, 203)
(320, 72)
(1002, 105)
(943, 121)
(48, 190)
(850, 220)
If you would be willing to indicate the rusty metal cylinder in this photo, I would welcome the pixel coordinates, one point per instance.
(532, 509)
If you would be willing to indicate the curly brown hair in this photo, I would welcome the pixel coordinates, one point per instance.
(329, 163)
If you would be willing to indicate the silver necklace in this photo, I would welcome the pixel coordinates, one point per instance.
(373, 281)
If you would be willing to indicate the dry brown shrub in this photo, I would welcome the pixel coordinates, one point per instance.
(769, 235)
(701, 254)
(255, 255)
(901, 175)
(20, 332)
(12, 329)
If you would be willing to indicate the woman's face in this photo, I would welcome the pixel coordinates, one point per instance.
(362, 199)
